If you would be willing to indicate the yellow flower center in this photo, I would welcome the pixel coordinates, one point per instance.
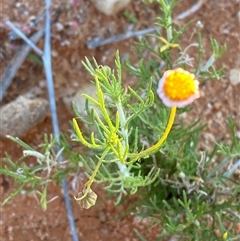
(179, 85)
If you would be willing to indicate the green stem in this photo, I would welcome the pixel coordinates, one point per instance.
(169, 29)
(88, 184)
(169, 37)
(124, 132)
(156, 146)
(123, 122)
(200, 53)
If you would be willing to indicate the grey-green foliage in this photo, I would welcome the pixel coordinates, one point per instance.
(191, 194)
(114, 143)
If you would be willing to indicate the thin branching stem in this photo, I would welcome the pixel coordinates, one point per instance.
(155, 147)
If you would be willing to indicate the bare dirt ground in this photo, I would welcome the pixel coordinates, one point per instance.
(22, 218)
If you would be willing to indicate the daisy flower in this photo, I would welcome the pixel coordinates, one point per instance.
(178, 88)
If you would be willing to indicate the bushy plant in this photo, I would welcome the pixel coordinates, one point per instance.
(135, 145)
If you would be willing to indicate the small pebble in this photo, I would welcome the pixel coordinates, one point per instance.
(65, 42)
(234, 76)
(110, 7)
(217, 105)
(54, 54)
(219, 114)
(105, 231)
(59, 26)
(17, 4)
(102, 216)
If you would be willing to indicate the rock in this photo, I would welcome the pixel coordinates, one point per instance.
(105, 231)
(234, 76)
(110, 7)
(18, 116)
(102, 216)
(79, 99)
